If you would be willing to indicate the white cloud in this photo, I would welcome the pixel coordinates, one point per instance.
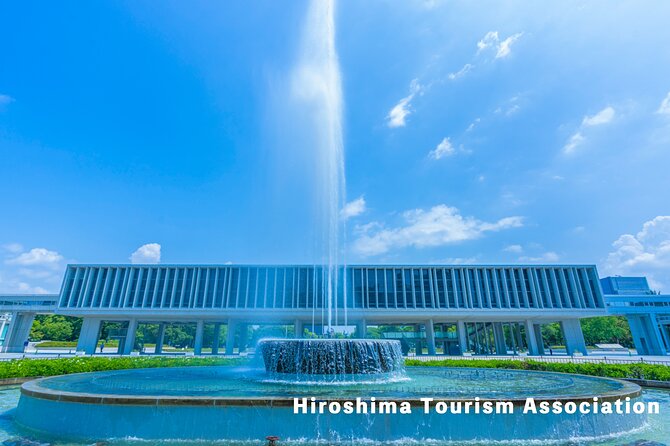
(574, 141)
(547, 257)
(505, 47)
(645, 253)
(37, 257)
(517, 249)
(149, 253)
(38, 270)
(502, 48)
(473, 124)
(604, 116)
(440, 225)
(353, 208)
(664, 108)
(462, 72)
(443, 150)
(398, 114)
(490, 39)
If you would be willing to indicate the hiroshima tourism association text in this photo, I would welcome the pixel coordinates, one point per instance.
(430, 405)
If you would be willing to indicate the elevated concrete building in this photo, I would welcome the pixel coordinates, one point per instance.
(648, 313)
(484, 309)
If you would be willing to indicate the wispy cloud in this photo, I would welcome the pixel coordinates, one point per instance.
(38, 270)
(13, 248)
(505, 47)
(462, 72)
(5, 99)
(572, 144)
(398, 114)
(149, 253)
(604, 116)
(517, 249)
(353, 208)
(492, 41)
(473, 124)
(645, 253)
(547, 257)
(664, 108)
(37, 257)
(437, 226)
(443, 150)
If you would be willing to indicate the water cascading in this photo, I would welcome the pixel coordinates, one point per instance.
(332, 357)
(317, 87)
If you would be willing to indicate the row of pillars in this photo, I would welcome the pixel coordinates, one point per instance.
(572, 332)
(90, 331)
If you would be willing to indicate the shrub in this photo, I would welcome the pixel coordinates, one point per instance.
(633, 370)
(24, 368)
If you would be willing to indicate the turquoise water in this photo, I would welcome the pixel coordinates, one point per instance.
(248, 382)
(657, 429)
(253, 383)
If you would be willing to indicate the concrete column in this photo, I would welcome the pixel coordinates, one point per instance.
(430, 336)
(215, 341)
(462, 336)
(199, 331)
(160, 339)
(664, 336)
(499, 337)
(18, 332)
(242, 339)
(298, 329)
(88, 336)
(573, 336)
(645, 336)
(538, 337)
(2, 329)
(130, 337)
(361, 329)
(230, 337)
(531, 339)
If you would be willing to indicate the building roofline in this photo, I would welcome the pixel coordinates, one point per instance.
(354, 265)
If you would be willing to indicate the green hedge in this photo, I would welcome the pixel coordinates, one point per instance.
(24, 368)
(633, 370)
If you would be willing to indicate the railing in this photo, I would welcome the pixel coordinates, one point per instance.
(560, 359)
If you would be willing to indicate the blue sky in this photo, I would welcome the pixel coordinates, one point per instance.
(474, 133)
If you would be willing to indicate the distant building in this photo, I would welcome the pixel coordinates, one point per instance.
(434, 309)
(648, 313)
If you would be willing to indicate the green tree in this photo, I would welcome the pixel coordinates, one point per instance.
(54, 327)
(607, 330)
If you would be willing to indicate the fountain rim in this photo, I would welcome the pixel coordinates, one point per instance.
(326, 340)
(34, 389)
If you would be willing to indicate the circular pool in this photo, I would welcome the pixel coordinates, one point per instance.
(243, 403)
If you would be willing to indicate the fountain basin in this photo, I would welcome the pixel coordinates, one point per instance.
(331, 356)
(235, 403)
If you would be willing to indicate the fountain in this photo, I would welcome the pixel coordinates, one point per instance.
(255, 403)
(249, 403)
(331, 357)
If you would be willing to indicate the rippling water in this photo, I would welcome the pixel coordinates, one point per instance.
(656, 432)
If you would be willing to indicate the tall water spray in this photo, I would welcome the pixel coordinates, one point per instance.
(317, 84)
